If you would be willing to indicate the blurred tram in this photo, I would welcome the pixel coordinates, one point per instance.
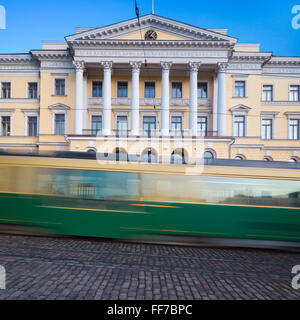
(226, 204)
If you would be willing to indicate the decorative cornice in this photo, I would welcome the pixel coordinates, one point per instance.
(129, 44)
(283, 61)
(280, 103)
(16, 58)
(50, 54)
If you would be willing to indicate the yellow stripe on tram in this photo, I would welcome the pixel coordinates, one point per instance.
(94, 210)
(153, 206)
(27, 221)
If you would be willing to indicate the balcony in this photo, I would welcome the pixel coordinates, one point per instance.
(150, 102)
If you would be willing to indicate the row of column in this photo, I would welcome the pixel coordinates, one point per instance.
(165, 98)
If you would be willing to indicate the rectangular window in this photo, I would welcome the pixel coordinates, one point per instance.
(176, 126)
(240, 89)
(122, 125)
(150, 89)
(294, 93)
(60, 87)
(5, 122)
(267, 93)
(97, 89)
(202, 90)
(32, 127)
(266, 129)
(294, 126)
(202, 126)
(6, 90)
(96, 125)
(239, 126)
(60, 124)
(32, 90)
(149, 126)
(122, 89)
(177, 90)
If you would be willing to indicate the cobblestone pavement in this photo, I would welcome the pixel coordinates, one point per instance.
(75, 268)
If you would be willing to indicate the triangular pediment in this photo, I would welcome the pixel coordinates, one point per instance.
(240, 107)
(165, 28)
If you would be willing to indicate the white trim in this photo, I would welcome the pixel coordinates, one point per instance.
(27, 114)
(54, 113)
(38, 90)
(240, 80)
(94, 113)
(262, 92)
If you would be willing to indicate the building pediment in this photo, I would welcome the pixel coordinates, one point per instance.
(240, 108)
(59, 106)
(165, 28)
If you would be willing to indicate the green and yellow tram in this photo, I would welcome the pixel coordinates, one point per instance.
(141, 201)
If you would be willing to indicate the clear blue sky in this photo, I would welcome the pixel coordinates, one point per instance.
(258, 21)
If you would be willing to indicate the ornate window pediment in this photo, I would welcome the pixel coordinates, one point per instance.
(59, 106)
(240, 108)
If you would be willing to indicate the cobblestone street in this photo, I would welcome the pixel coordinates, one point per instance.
(74, 268)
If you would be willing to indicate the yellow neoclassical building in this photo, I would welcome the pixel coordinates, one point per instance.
(150, 81)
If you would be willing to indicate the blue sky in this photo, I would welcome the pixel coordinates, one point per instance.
(258, 21)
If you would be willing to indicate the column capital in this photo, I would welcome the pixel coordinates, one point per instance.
(107, 65)
(166, 65)
(79, 65)
(135, 65)
(223, 66)
(194, 66)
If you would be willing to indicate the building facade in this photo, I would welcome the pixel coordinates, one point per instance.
(150, 81)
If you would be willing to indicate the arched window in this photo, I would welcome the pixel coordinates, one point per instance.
(294, 159)
(121, 154)
(91, 151)
(269, 159)
(178, 157)
(149, 156)
(239, 157)
(209, 154)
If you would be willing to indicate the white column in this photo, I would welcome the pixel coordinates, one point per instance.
(193, 111)
(78, 112)
(165, 98)
(215, 105)
(135, 97)
(222, 99)
(85, 102)
(106, 127)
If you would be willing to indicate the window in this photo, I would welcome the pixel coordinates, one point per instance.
(294, 93)
(6, 90)
(32, 90)
(176, 126)
(5, 122)
(60, 87)
(32, 127)
(267, 129)
(209, 155)
(97, 89)
(122, 89)
(239, 126)
(240, 89)
(96, 124)
(149, 89)
(60, 124)
(294, 133)
(177, 90)
(122, 125)
(202, 90)
(149, 125)
(267, 93)
(202, 126)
